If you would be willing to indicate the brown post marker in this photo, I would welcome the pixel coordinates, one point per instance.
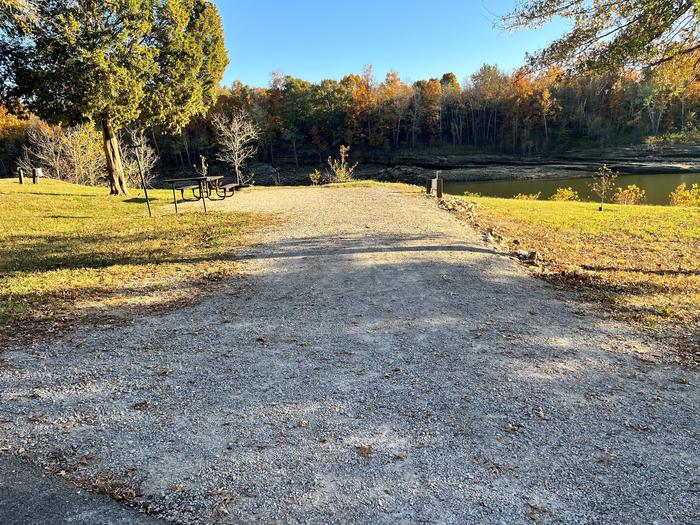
(20, 175)
(37, 173)
(438, 190)
(428, 185)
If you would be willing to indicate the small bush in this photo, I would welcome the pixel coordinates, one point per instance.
(342, 171)
(686, 197)
(633, 194)
(565, 194)
(526, 197)
(316, 177)
(72, 154)
(472, 194)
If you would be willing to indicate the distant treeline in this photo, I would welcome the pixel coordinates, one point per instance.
(492, 111)
(518, 113)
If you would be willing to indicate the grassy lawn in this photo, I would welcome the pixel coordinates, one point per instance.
(69, 252)
(642, 262)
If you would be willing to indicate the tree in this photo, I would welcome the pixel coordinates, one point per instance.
(114, 62)
(296, 111)
(604, 183)
(394, 100)
(611, 35)
(236, 135)
(15, 13)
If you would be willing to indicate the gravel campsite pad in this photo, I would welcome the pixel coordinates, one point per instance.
(376, 363)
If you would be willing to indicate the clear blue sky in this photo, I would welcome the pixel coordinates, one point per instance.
(316, 39)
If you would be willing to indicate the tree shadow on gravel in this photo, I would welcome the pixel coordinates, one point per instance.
(328, 246)
(424, 383)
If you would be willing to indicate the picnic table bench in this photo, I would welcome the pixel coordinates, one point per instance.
(202, 188)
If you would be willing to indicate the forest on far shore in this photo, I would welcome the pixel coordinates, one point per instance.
(492, 111)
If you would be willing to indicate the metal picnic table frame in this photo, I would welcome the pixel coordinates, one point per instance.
(203, 184)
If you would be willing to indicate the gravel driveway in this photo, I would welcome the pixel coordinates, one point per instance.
(378, 363)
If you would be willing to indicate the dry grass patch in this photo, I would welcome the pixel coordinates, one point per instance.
(642, 262)
(68, 252)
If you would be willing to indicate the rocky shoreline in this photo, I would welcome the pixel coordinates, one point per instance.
(415, 167)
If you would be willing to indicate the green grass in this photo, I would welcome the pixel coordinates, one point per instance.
(642, 262)
(70, 252)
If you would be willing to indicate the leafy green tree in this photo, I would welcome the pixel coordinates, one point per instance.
(449, 82)
(296, 111)
(116, 62)
(611, 35)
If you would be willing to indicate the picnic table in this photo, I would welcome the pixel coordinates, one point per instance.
(202, 188)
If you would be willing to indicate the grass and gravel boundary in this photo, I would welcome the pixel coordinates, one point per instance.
(70, 253)
(640, 262)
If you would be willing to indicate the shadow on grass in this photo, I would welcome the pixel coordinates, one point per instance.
(681, 271)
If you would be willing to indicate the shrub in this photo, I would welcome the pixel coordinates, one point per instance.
(316, 177)
(72, 154)
(76, 154)
(565, 194)
(530, 197)
(633, 194)
(136, 150)
(687, 197)
(342, 171)
(472, 194)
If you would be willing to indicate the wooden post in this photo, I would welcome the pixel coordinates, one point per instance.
(438, 190)
(20, 175)
(428, 186)
(37, 173)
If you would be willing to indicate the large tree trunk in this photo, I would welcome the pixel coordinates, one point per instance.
(115, 169)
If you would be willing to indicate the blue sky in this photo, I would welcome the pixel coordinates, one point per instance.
(316, 39)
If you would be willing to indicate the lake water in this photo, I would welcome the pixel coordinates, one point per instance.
(657, 186)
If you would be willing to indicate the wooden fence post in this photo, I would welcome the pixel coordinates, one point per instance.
(438, 189)
(428, 185)
(20, 175)
(37, 173)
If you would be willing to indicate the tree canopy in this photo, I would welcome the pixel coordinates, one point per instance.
(612, 34)
(117, 62)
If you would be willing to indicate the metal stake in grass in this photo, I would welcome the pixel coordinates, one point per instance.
(143, 183)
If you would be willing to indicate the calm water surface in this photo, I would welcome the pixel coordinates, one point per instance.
(657, 186)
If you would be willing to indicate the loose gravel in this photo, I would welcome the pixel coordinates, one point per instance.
(376, 363)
